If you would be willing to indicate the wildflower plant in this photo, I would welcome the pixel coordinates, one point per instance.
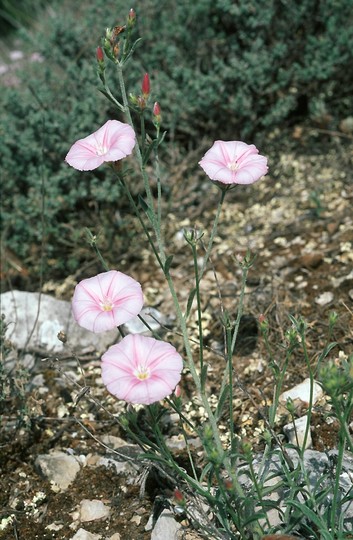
(146, 370)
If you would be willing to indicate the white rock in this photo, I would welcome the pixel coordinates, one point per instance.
(120, 466)
(54, 526)
(115, 536)
(153, 318)
(166, 528)
(301, 392)
(295, 432)
(113, 442)
(85, 535)
(59, 468)
(91, 510)
(324, 298)
(20, 310)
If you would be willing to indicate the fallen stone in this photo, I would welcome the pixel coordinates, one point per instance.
(119, 466)
(300, 394)
(166, 527)
(82, 534)
(35, 321)
(324, 298)
(154, 318)
(59, 468)
(91, 510)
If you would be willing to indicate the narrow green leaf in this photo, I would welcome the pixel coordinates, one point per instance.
(147, 209)
(221, 401)
(203, 375)
(190, 301)
(168, 263)
(310, 514)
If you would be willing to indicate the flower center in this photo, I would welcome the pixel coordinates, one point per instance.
(232, 165)
(101, 150)
(142, 372)
(107, 304)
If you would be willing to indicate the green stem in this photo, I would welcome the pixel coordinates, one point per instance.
(138, 153)
(311, 393)
(245, 269)
(198, 300)
(213, 232)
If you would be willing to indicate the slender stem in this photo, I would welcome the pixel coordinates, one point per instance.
(245, 269)
(100, 256)
(341, 448)
(213, 233)
(198, 300)
(138, 153)
(311, 393)
(230, 380)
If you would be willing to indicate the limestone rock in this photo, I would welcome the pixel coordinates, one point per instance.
(91, 510)
(21, 310)
(59, 468)
(166, 528)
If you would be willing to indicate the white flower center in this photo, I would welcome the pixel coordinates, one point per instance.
(101, 150)
(142, 372)
(232, 165)
(107, 304)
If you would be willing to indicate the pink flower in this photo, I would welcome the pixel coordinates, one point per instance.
(141, 369)
(234, 162)
(105, 301)
(111, 142)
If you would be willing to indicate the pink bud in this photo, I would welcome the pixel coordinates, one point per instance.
(178, 495)
(146, 87)
(156, 109)
(157, 115)
(100, 54)
(132, 15)
(177, 391)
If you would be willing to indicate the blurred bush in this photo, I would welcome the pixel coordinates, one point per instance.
(19, 13)
(220, 69)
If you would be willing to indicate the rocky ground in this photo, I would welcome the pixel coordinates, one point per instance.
(299, 222)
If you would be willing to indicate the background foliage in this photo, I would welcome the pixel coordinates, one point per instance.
(220, 69)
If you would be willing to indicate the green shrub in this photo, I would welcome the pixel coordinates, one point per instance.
(220, 69)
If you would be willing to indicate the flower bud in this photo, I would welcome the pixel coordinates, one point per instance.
(131, 20)
(146, 87)
(178, 496)
(99, 54)
(157, 117)
(177, 391)
(156, 109)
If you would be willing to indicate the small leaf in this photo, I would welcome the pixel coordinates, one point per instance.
(190, 301)
(221, 401)
(203, 375)
(147, 209)
(168, 263)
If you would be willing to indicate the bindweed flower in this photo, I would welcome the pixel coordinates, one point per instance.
(234, 162)
(141, 369)
(105, 301)
(112, 142)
